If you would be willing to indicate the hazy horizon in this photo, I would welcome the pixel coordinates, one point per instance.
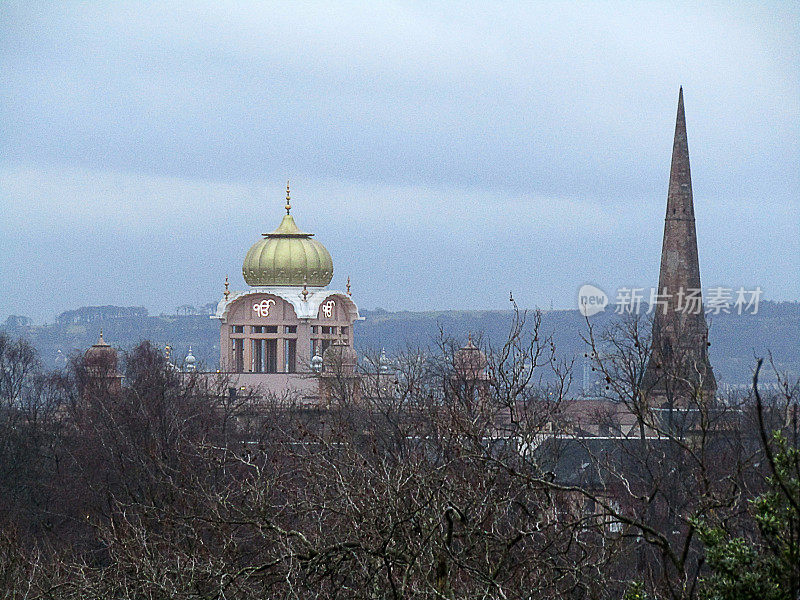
(444, 155)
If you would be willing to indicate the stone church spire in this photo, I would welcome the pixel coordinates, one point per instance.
(679, 368)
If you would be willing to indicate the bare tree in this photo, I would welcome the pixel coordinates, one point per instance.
(456, 471)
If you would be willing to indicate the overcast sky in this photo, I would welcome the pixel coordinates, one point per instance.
(445, 153)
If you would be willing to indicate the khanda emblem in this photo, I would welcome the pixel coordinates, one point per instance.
(327, 308)
(262, 308)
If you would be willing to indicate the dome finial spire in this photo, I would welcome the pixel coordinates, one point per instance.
(288, 206)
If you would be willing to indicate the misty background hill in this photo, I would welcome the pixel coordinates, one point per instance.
(735, 339)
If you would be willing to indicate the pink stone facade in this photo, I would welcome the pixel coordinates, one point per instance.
(262, 333)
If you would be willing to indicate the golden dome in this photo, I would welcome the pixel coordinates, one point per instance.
(288, 256)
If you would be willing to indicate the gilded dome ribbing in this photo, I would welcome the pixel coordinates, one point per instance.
(288, 256)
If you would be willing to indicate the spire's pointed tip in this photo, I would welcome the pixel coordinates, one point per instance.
(681, 118)
(288, 206)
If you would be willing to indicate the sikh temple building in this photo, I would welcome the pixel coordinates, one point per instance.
(277, 333)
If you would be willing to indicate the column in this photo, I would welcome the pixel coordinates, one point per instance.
(248, 353)
(303, 346)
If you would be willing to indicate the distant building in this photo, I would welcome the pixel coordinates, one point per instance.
(679, 369)
(102, 374)
(470, 381)
(271, 333)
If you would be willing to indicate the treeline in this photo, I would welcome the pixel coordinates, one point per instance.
(93, 314)
(428, 481)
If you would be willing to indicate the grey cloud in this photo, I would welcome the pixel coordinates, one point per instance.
(168, 120)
